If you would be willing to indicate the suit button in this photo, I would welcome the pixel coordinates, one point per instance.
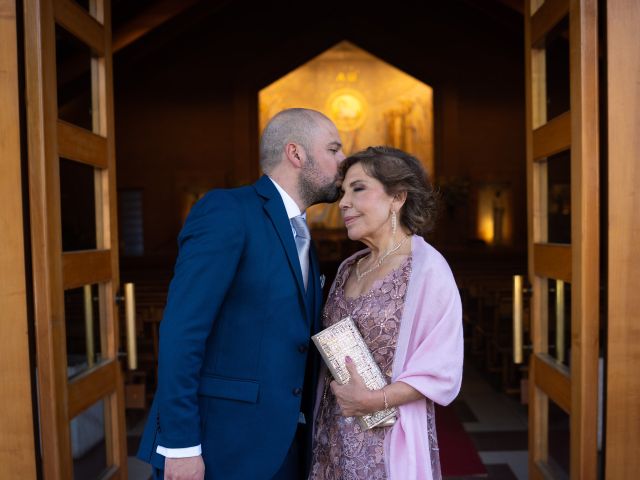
(302, 348)
(297, 392)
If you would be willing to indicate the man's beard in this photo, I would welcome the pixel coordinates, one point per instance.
(313, 188)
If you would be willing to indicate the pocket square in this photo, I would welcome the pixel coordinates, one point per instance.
(322, 280)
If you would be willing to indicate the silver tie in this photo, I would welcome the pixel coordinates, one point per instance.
(303, 242)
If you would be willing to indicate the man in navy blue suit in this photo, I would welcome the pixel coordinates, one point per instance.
(236, 373)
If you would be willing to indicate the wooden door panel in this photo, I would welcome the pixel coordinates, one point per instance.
(564, 277)
(74, 288)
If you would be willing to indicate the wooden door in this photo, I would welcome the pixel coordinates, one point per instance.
(561, 63)
(17, 439)
(74, 238)
(623, 257)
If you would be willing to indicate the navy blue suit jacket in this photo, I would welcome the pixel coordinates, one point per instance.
(234, 337)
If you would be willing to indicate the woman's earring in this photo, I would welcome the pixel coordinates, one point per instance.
(394, 223)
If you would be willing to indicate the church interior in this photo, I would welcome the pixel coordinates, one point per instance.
(196, 81)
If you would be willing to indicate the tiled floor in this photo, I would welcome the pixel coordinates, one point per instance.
(497, 425)
(138, 470)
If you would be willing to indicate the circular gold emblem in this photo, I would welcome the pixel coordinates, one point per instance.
(347, 108)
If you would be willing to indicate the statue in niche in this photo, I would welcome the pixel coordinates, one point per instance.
(401, 128)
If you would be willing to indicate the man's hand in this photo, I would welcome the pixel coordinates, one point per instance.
(354, 398)
(189, 468)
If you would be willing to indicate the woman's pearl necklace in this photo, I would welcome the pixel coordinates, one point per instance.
(360, 276)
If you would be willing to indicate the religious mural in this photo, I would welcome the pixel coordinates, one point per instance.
(370, 101)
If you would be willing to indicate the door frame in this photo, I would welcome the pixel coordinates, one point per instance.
(17, 442)
(622, 437)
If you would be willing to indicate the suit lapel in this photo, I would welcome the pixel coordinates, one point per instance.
(317, 290)
(275, 210)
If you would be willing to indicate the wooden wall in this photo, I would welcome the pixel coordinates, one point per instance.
(186, 106)
(17, 444)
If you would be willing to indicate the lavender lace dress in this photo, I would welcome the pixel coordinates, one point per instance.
(342, 451)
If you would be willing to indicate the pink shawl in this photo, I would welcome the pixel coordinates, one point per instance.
(428, 357)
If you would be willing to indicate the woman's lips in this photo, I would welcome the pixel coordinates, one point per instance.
(349, 219)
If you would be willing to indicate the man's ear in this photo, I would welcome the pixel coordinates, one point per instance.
(295, 154)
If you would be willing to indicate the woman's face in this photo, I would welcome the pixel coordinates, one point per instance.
(365, 206)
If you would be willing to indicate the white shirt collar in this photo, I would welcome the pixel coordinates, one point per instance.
(289, 204)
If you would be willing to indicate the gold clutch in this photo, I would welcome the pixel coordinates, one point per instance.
(344, 339)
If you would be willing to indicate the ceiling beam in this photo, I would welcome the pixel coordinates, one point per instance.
(148, 20)
(517, 5)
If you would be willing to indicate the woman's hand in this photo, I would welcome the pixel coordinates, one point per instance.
(354, 398)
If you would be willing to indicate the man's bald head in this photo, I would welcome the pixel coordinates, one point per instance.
(294, 125)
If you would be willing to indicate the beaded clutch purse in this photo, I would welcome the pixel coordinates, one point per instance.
(344, 339)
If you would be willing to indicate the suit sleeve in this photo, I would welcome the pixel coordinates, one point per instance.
(210, 249)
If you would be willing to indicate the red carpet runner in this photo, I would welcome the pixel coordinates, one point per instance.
(458, 455)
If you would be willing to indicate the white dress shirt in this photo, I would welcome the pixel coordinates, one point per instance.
(292, 211)
(289, 204)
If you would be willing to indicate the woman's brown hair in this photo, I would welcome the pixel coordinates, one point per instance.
(399, 172)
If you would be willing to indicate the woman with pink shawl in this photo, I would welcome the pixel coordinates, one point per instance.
(402, 296)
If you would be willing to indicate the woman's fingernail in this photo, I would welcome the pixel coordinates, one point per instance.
(348, 359)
